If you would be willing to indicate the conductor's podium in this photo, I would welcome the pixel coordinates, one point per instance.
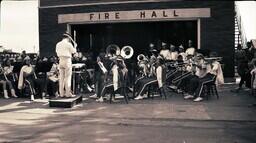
(65, 102)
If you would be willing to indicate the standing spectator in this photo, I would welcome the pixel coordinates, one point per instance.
(242, 65)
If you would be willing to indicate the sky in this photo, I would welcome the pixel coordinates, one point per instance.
(248, 15)
(19, 24)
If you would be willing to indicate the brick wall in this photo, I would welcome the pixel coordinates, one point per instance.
(217, 32)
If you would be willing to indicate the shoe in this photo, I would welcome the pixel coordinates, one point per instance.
(100, 99)
(145, 96)
(71, 95)
(138, 97)
(32, 98)
(198, 99)
(173, 87)
(43, 95)
(93, 96)
(89, 88)
(179, 91)
(6, 94)
(131, 89)
(57, 95)
(188, 97)
(13, 93)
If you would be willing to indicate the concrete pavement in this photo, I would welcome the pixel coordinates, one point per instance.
(230, 119)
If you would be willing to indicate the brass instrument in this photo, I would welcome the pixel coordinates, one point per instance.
(112, 50)
(211, 59)
(127, 52)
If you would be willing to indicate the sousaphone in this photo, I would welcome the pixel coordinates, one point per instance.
(127, 52)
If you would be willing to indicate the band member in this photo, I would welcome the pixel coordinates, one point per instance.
(9, 75)
(118, 79)
(27, 75)
(165, 52)
(174, 53)
(101, 75)
(64, 50)
(208, 71)
(182, 53)
(190, 50)
(161, 75)
(41, 68)
(143, 82)
(53, 77)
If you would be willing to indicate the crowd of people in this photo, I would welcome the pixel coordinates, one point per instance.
(184, 69)
(246, 64)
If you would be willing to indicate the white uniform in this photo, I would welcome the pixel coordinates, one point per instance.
(190, 51)
(64, 50)
(166, 54)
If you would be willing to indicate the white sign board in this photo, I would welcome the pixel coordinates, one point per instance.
(135, 15)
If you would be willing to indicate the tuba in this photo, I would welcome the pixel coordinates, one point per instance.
(112, 50)
(127, 52)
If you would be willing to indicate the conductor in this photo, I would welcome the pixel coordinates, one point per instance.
(64, 49)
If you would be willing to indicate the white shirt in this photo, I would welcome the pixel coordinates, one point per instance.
(159, 71)
(174, 56)
(190, 51)
(166, 54)
(65, 49)
(115, 77)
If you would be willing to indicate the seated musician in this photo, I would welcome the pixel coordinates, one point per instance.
(174, 53)
(182, 52)
(4, 81)
(10, 77)
(190, 50)
(165, 52)
(120, 73)
(161, 75)
(206, 73)
(103, 75)
(142, 83)
(52, 77)
(41, 75)
(27, 75)
(116, 77)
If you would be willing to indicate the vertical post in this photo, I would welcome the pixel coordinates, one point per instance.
(75, 35)
(198, 33)
(68, 29)
(90, 41)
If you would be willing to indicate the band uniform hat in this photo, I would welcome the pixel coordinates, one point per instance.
(163, 44)
(151, 45)
(152, 50)
(199, 55)
(67, 35)
(181, 47)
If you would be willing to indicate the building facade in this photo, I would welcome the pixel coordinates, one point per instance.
(95, 24)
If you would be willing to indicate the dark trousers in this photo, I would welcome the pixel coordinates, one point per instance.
(107, 88)
(201, 82)
(52, 87)
(185, 83)
(145, 83)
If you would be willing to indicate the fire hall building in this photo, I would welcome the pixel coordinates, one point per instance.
(95, 24)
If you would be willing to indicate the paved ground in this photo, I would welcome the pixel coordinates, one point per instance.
(231, 119)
